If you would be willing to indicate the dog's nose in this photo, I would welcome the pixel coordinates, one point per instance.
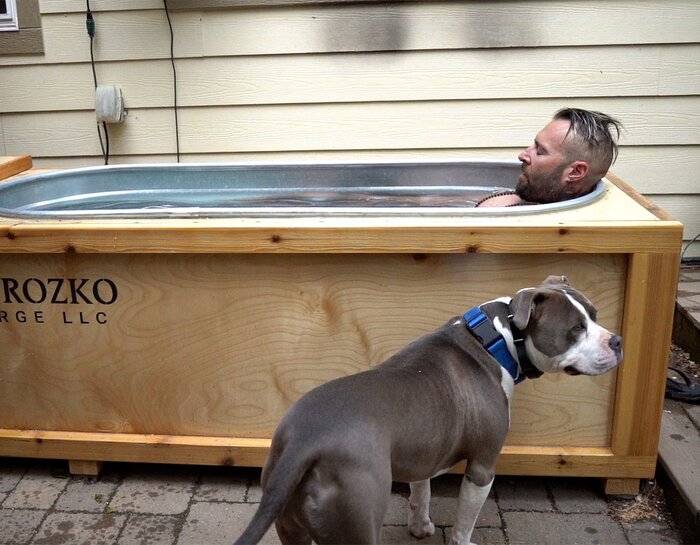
(615, 343)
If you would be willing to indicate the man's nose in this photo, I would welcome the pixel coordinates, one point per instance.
(524, 156)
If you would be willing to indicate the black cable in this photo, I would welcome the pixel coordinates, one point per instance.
(90, 23)
(688, 246)
(172, 61)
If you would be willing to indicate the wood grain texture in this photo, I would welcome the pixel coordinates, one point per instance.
(222, 345)
(542, 461)
(167, 238)
(648, 322)
(9, 166)
(621, 487)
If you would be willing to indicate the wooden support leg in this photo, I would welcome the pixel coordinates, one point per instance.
(621, 487)
(88, 468)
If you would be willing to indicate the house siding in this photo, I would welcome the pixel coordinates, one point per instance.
(369, 80)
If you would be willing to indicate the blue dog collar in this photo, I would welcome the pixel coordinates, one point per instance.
(483, 329)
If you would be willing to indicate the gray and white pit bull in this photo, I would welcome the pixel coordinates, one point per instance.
(442, 399)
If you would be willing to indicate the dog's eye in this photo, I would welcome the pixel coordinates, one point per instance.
(578, 327)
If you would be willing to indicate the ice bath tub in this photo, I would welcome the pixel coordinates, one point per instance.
(183, 338)
(254, 190)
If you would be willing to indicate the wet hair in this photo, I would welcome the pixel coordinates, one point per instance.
(596, 134)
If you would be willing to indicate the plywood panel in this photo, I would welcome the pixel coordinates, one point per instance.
(457, 124)
(413, 76)
(221, 345)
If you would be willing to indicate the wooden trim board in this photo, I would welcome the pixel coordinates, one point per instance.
(588, 462)
(9, 166)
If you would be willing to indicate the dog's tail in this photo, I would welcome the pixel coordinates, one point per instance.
(285, 477)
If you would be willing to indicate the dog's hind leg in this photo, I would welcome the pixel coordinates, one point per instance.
(419, 524)
(350, 507)
(290, 531)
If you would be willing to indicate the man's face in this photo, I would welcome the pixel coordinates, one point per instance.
(544, 164)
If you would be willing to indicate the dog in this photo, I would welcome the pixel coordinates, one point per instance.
(442, 399)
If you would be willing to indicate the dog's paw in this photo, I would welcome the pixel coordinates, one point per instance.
(455, 540)
(421, 530)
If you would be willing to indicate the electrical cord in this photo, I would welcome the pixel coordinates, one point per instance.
(90, 24)
(172, 61)
(689, 245)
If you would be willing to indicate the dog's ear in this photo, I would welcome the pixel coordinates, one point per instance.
(556, 280)
(523, 305)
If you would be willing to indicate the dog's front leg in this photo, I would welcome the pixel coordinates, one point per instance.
(418, 515)
(471, 500)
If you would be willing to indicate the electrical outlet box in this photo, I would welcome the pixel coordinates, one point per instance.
(109, 104)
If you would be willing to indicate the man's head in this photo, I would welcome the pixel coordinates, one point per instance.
(569, 155)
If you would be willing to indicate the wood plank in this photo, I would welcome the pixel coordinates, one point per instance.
(125, 237)
(387, 77)
(88, 468)
(9, 166)
(364, 27)
(651, 284)
(594, 463)
(542, 461)
(434, 124)
(134, 448)
(621, 487)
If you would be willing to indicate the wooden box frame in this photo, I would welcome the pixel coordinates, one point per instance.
(644, 237)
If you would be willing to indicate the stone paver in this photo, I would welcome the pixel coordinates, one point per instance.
(11, 471)
(38, 489)
(84, 494)
(180, 505)
(150, 530)
(523, 494)
(155, 490)
(217, 486)
(17, 526)
(650, 538)
(79, 529)
(562, 529)
(218, 523)
(579, 496)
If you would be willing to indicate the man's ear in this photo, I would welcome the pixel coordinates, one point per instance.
(578, 170)
(575, 179)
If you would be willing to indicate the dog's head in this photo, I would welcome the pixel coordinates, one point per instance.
(560, 330)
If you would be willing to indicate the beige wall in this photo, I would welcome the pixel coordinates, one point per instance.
(419, 79)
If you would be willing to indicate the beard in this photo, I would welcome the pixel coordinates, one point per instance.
(544, 188)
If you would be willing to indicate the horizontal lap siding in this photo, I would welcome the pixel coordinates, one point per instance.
(418, 79)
